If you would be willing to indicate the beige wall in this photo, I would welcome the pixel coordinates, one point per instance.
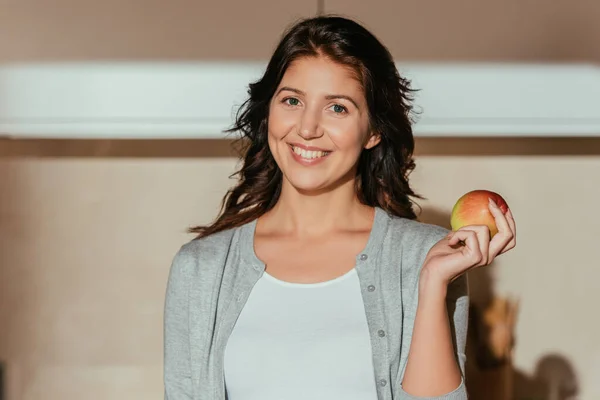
(143, 29)
(85, 248)
(86, 240)
(475, 30)
(435, 30)
(88, 229)
(553, 271)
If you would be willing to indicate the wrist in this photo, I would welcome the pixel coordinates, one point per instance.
(432, 285)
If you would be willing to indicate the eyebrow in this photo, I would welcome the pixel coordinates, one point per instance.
(328, 97)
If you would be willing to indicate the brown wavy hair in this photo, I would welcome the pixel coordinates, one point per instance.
(382, 171)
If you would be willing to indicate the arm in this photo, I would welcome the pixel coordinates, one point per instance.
(434, 368)
(439, 340)
(177, 364)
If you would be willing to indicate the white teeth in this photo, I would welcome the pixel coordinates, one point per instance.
(309, 154)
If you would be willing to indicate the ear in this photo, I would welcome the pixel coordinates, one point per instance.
(374, 139)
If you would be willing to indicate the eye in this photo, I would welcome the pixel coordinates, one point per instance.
(291, 101)
(339, 109)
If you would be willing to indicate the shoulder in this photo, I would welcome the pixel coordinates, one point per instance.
(416, 233)
(411, 240)
(204, 252)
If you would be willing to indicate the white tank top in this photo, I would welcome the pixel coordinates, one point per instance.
(301, 341)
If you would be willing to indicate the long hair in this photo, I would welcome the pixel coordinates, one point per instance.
(382, 171)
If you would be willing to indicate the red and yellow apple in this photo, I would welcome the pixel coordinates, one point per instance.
(472, 208)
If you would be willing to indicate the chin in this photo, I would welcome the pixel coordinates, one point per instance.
(313, 183)
(308, 184)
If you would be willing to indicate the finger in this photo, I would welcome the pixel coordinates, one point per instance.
(483, 239)
(471, 249)
(511, 220)
(504, 235)
(511, 223)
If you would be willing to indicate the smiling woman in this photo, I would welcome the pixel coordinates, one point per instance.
(316, 281)
(335, 90)
(319, 113)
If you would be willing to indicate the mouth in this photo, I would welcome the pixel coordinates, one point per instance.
(309, 155)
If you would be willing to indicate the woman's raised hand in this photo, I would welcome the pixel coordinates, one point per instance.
(470, 247)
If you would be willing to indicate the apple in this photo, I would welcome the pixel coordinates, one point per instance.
(472, 208)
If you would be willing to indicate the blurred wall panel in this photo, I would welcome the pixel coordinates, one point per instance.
(475, 30)
(85, 250)
(552, 272)
(40, 30)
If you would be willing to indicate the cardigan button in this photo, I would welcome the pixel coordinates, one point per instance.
(363, 257)
(382, 382)
(371, 288)
(381, 333)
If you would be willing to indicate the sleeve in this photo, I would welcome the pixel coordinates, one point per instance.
(177, 358)
(457, 302)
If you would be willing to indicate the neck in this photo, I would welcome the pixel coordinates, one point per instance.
(309, 215)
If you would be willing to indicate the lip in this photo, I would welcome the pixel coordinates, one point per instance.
(305, 162)
(308, 148)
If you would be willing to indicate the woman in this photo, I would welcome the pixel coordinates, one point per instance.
(316, 281)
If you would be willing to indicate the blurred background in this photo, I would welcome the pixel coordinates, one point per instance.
(90, 217)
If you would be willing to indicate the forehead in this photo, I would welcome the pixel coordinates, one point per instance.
(321, 74)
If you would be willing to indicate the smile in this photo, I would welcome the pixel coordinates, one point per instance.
(309, 154)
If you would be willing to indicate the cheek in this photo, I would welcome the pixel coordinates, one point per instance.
(280, 122)
(347, 135)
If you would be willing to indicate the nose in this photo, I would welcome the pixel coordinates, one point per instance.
(309, 125)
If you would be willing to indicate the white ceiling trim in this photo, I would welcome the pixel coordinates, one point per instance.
(198, 100)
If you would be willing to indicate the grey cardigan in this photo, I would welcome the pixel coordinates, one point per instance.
(211, 278)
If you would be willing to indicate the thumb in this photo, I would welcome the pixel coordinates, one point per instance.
(453, 238)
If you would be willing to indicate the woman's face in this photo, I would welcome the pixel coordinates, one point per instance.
(318, 124)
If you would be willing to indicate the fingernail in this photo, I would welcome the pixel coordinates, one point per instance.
(492, 202)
